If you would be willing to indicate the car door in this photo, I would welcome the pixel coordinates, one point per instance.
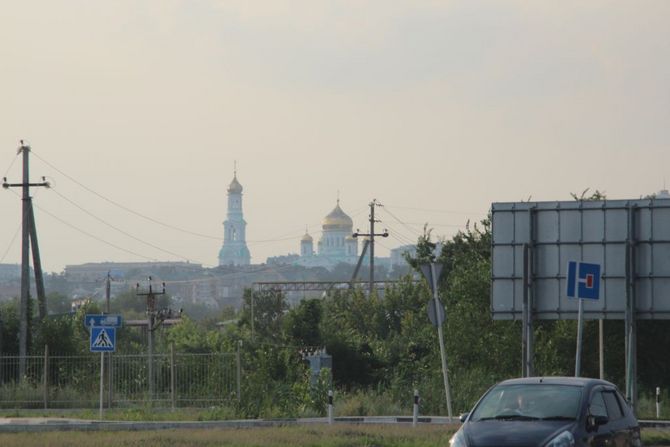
(631, 421)
(600, 435)
(618, 424)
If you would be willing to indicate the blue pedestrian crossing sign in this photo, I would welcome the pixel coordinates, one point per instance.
(583, 280)
(103, 339)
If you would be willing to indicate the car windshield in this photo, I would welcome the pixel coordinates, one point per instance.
(536, 401)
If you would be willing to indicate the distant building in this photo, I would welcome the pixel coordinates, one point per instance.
(10, 271)
(234, 250)
(398, 255)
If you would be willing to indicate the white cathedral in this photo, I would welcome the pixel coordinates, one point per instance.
(337, 245)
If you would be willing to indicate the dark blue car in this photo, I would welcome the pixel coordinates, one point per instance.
(549, 412)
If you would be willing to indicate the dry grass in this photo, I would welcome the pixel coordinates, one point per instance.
(316, 435)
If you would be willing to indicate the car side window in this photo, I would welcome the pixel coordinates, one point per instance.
(614, 409)
(597, 406)
(625, 404)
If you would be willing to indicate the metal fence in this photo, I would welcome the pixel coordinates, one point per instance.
(167, 380)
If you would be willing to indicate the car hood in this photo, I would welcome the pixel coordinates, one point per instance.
(512, 433)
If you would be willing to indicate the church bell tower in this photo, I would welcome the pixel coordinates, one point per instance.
(234, 250)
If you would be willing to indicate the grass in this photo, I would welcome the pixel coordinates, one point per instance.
(313, 436)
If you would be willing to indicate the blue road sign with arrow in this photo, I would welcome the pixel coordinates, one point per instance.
(92, 320)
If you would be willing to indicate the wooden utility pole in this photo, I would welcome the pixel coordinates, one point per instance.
(28, 239)
(371, 235)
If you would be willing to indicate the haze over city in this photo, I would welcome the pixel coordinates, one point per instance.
(436, 109)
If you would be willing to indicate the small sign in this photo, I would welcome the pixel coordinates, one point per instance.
(427, 271)
(583, 280)
(91, 320)
(436, 313)
(103, 339)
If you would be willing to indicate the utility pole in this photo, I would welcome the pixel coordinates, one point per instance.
(151, 326)
(371, 235)
(108, 289)
(28, 239)
(154, 319)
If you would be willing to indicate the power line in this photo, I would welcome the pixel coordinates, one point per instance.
(125, 233)
(11, 243)
(399, 221)
(433, 210)
(151, 219)
(11, 164)
(92, 236)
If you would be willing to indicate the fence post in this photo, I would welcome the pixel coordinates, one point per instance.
(330, 406)
(45, 378)
(110, 376)
(173, 391)
(415, 414)
(239, 372)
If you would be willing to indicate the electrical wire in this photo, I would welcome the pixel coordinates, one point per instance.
(399, 236)
(118, 205)
(125, 233)
(16, 233)
(429, 210)
(413, 231)
(11, 244)
(92, 236)
(11, 164)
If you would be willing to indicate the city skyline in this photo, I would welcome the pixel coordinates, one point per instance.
(436, 109)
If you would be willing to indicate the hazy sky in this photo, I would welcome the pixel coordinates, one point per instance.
(435, 108)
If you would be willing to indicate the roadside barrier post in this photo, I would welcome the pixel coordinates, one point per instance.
(330, 406)
(415, 415)
(658, 402)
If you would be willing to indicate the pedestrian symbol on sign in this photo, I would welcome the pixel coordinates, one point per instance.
(103, 340)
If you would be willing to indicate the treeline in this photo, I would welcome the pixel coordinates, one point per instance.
(383, 347)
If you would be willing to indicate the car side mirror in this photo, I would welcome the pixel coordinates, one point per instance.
(464, 417)
(597, 421)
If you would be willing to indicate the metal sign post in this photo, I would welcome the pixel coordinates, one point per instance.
(102, 380)
(583, 282)
(102, 338)
(432, 272)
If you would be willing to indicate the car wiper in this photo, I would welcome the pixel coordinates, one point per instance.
(509, 417)
(558, 418)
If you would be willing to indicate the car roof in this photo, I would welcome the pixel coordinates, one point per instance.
(574, 381)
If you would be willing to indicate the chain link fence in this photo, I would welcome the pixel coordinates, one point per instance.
(165, 380)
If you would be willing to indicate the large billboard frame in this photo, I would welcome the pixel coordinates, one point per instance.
(532, 243)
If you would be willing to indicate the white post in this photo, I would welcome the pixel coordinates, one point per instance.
(658, 403)
(330, 406)
(580, 330)
(443, 353)
(415, 413)
(102, 379)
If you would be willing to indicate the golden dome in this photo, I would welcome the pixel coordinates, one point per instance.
(306, 238)
(337, 220)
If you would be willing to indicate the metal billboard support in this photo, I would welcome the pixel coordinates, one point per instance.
(527, 317)
(630, 317)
